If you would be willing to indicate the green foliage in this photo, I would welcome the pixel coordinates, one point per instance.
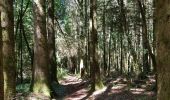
(60, 9)
(23, 88)
(99, 85)
(61, 73)
(67, 25)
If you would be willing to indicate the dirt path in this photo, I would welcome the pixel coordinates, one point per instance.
(116, 89)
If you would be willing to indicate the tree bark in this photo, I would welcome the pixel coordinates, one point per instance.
(104, 38)
(110, 42)
(51, 41)
(94, 66)
(20, 45)
(122, 29)
(163, 49)
(1, 65)
(41, 70)
(87, 36)
(9, 66)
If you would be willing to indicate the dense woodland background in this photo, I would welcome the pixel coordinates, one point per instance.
(112, 49)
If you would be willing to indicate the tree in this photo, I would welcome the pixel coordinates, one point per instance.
(51, 41)
(41, 69)
(163, 49)
(146, 46)
(1, 66)
(146, 65)
(94, 66)
(122, 30)
(104, 38)
(7, 23)
(87, 36)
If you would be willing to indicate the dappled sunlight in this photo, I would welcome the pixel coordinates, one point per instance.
(119, 86)
(73, 88)
(84, 49)
(70, 79)
(137, 91)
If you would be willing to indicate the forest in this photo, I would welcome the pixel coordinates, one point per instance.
(84, 50)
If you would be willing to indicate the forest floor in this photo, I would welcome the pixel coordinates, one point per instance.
(115, 89)
(118, 88)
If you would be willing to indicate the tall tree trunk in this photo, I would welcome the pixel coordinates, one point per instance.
(104, 38)
(154, 41)
(7, 23)
(94, 66)
(163, 49)
(154, 33)
(51, 41)
(146, 45)
(123, 28)
(110, 40)
(87, 36)
(144, 38)
(1, 66)
(41, 69)
(21, 51)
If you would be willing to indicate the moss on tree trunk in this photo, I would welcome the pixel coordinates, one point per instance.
(163, 49)
(9, 68)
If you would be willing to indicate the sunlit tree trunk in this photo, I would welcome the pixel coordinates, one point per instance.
(163, 49)
(110, 43)
(94, 66)
(7, 23)
(1, 66)
(51, 41)
(41, 69)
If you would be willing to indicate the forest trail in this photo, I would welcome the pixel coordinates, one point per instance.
(116, 89)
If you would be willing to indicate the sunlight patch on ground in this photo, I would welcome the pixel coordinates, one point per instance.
(99, 91)
(119, 86)
(137, 90)
(70, 80)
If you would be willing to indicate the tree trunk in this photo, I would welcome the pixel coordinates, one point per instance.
(163, 49)
(1, 66)
(146, 45)
(104, 39)
(20, 45)
(87, 37)
(154, 33)
(51, 41)
(94, 66)
(21, 53)
(123, 28)
(109, 57)
(7, 23)
(41, 69)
